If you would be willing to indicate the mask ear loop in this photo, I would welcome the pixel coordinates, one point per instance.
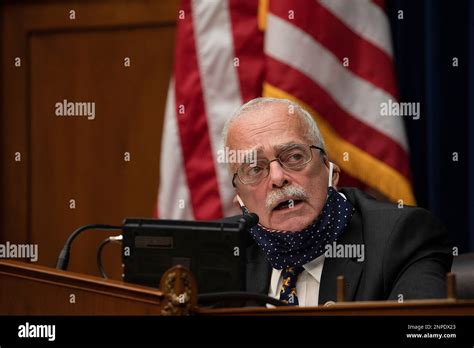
(331, 169)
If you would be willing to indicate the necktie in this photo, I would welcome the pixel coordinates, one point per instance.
(288, 288)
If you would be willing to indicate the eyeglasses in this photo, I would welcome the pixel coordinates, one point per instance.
(295, 157)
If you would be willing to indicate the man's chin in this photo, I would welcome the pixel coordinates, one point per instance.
(294, 223)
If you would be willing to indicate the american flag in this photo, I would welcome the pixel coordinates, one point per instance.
(333, 57)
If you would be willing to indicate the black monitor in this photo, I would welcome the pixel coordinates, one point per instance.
(215, 252)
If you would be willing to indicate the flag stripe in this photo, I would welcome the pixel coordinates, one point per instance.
(248, 47)
(214, 43)
(380, 3)
(351, 129)
(193, 127)
(360, 165)
(361, 56)
(173, 196)
(365, 18)
(355, 95)
(345, 180)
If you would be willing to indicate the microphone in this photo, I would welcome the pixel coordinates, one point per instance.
(249, 220)
(63, 259)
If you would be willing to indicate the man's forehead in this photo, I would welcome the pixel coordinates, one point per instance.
(270, 111)
(268, 127)
(276, 147)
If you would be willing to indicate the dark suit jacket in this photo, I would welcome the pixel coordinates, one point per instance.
(406, 252)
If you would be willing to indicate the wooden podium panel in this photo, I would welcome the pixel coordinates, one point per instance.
(27, 289)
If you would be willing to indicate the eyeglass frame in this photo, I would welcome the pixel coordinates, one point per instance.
(277, 158)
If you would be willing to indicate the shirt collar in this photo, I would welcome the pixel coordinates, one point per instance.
(343, 195)
(315, 267)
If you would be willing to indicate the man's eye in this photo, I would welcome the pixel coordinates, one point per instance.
(252, 171)
(294, 157)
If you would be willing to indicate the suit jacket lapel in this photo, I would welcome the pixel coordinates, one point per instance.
(351, 269)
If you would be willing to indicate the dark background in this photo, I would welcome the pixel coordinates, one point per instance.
(426, 40)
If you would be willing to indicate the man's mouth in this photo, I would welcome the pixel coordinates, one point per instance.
(288, 204)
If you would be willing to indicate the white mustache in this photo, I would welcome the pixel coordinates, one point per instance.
(288, 192)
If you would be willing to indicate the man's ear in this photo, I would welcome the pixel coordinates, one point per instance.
(335, 174)
(335, 171)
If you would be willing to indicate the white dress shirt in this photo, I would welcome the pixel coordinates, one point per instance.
(307, 286)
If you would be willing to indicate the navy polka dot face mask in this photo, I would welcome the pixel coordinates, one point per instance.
(296, 248)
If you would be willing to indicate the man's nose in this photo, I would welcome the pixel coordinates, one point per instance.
(277, 175)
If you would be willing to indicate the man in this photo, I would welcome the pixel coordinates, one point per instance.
(309, 232)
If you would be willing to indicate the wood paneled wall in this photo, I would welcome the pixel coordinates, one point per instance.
(74, 158)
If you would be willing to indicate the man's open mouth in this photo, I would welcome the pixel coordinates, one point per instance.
(290, 203)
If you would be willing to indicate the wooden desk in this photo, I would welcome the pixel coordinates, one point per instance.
(373, 308)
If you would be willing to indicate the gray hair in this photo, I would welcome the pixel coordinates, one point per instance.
(312, 131)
